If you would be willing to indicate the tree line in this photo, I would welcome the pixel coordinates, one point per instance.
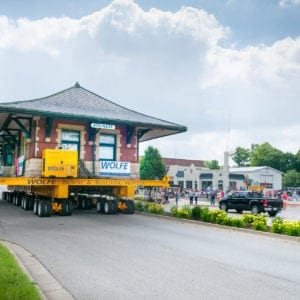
(267, 155)
(152, 165)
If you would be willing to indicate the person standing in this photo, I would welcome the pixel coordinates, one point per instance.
(294, 197)
(191, 194)
(176, 197)
(212, 198)
(196, 194)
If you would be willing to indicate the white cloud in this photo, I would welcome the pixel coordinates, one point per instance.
(285, 3)
(170, 65)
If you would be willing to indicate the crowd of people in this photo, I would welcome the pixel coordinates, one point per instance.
(194, 196)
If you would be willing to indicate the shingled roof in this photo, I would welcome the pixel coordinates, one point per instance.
(77, 103)
(183, 162)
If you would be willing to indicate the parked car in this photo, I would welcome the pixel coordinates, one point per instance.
(252, 201)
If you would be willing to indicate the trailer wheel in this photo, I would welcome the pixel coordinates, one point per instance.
(35, 206)
(25, 201)
(84, 202)
(44, 209)
(115, 206)
(129, 207)
(100, 205)
(10, 197)
(108, 207)
(66, 208)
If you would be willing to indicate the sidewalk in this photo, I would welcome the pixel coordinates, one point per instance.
(206, 202)
(186, 201)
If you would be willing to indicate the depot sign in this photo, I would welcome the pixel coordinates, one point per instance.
(114, 168)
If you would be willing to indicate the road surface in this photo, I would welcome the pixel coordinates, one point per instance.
(98, 256)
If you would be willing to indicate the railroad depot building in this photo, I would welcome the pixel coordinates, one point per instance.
(105, 135)
(191, 174)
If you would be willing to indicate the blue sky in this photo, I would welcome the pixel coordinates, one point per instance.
(228, 70)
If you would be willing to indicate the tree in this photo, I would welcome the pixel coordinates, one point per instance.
(291, 178)
(212, 164)
(266, 155)
(241, 156)
(152, 165)
(297, 161)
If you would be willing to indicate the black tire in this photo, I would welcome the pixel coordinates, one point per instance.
(75, 201)
(254, 209)
(31, 202)
(10, 197)
(66, 208)
(108, 207)
(272, 213)
(115, 206)
(130, 207)
(25, 201)
(239, 211)
(42, 209)
(223, 206)
(84, 203)
(35, 206)
(19, 199)
(14, 199)
(100, 205)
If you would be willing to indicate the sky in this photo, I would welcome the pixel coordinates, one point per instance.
(229, 70)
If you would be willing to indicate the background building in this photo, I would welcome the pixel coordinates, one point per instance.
(191, 174)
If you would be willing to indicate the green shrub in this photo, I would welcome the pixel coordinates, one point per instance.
(185, 212)
(222, 218)
(205, 214)
(291, 228)
(154, 208)
(174, 211)
(248, 218)
(196, 212)
(139, 198)
(277, 225)
(139, 206)
(238, 222)
(260, 223)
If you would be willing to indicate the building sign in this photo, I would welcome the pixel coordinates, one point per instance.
(114, 168)
(19, 164)
(102, 126)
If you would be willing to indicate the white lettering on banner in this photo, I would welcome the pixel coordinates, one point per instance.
(114, 168)
(103, 126)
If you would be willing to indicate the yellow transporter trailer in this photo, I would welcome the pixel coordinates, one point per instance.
(59, 195)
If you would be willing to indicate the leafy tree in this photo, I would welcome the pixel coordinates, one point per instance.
(266, 155)
(152, 165)
(212, 164)
(287, 162)
(241, 156)
(291, 178)
(297, 161)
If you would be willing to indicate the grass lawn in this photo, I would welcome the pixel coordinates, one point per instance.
(14, 283)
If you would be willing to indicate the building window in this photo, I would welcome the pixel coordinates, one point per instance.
(70, 140)
(189, 184)
(107, 147)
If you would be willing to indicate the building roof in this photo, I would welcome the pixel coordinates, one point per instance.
(77, 103)
(251, 169)
(183, 162)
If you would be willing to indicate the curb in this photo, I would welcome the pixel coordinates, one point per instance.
(49, 287)
(224, 227)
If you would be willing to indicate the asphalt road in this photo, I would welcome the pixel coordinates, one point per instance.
(139, 257)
